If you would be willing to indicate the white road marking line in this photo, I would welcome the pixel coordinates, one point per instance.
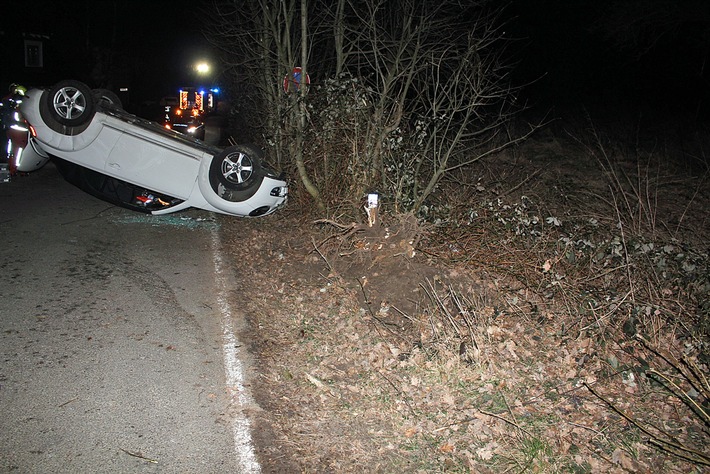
(241, 398)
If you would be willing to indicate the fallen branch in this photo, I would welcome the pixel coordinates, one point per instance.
(671, 447)
(343, 227)
(139, 456)
(315, 247)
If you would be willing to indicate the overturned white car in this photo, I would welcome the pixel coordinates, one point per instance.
(138, 164)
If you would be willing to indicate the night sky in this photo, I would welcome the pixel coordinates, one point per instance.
(560, 46)
(655, 59)
(155, 43)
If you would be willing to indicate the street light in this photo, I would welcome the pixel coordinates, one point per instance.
(202, 68)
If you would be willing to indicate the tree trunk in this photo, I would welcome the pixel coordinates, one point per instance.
(301, 120)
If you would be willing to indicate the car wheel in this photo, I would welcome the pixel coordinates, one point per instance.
(105, 96)
(237, 168)
(68, 104)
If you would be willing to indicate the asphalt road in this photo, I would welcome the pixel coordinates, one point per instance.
(117, 346)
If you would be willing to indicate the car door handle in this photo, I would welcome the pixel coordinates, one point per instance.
(115, 166)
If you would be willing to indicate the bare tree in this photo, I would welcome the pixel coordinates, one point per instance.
(270, 36)
(441, 85)
(302, 113)
(638, 26)
(428, 92)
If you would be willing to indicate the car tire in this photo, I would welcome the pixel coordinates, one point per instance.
(237, 168)
(68, 107)
(105, 96)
